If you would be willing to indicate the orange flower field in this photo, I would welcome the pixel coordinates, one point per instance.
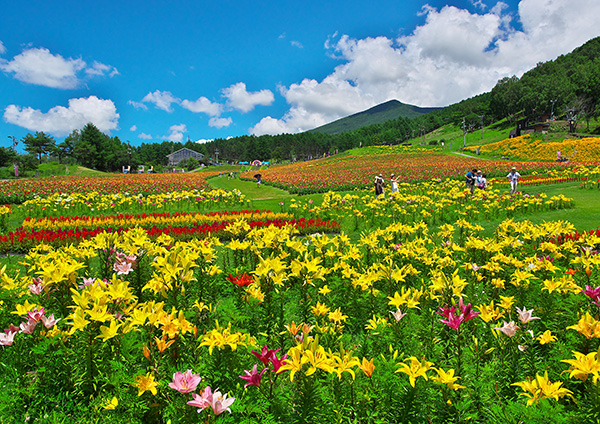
(346, 172)
(523, 147)
(16, 191)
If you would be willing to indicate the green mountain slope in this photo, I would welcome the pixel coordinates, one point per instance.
(392, 109)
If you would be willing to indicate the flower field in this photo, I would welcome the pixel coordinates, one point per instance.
(18, 191)
(579, 151)
(171, 313)
(347, 172)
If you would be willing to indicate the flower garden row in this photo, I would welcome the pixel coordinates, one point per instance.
(18, 191)
(406, 324)
(165, 219)
(579, 150)
(433, 202)
(45, 231)
(353, 171)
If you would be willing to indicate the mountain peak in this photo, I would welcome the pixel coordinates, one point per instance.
(378, 114)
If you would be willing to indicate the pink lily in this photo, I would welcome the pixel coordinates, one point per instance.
(277, 362)
(265, 354)
(28, 327)
(11, 329)
(593, 293)
(398, 315)
(37, 286)
(50, 321)
(466, 310)
(221, 403)
(35, 314)
(526, 315)
(453, 321)
(185, 382)
(252, 377)
(87, 282)
(509, 328)
(7, 339)
(202, 401)
(446, 312)
(123, 268)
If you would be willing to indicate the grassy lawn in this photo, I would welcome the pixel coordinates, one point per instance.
(263, 197)
(584, 216)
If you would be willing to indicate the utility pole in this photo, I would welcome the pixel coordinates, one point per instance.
(552, 112)
(129, 152)
(464, 128)
(15, 142)
(217, 155)
(481, 117)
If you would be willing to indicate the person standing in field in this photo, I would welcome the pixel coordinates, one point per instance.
(394, 183)
(470, 179)
(513, 177)
(481, 181)
(378, 185)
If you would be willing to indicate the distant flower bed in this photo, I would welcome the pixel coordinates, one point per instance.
(523, 147)
(341, 173)
(18, 191)
(59, 204)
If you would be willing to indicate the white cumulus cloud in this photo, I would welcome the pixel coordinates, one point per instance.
(176, 132)
(453, 55)
(2, 48)
(145, 136)
(243, 100)
(160, 99)
(219, 122)
(137, 105)
(60, 120)
(98, 68)
(202, 105)
(40, 67)
(133, 128)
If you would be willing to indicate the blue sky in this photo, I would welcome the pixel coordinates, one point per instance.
(156, 70)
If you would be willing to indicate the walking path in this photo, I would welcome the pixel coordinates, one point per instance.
(470, 156)
(248, 188)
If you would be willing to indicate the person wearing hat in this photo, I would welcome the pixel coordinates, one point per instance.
(513, 177)
(394, 183)
(378, 185)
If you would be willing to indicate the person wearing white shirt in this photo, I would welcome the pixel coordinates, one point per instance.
(513, 176)
(481, 181)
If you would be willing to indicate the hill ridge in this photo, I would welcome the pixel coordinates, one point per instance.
(378, 114)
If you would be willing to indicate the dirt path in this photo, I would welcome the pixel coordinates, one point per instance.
(469, 156)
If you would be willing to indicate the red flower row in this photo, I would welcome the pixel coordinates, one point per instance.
(23, 240)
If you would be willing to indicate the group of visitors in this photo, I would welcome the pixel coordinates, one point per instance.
(380, 185)
(476, 179)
